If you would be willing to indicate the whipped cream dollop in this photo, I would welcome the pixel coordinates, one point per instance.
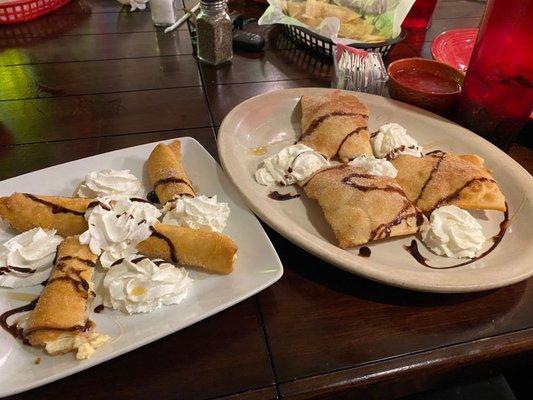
(116, 226)
(375, 166)
(109, 182)
(141, 285)
(392, 140)
(199, 212)
(292, 164)
(27, 259)
(453, 232)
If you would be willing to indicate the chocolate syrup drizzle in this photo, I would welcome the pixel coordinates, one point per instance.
(56, 208)
(413, 250)
(152, 197)
(98, 309)
(156, 262)
(275, 195)
(76, 328)
(24, 270)
(295, 158)
(89, 263)
(17, 332)
(57, 255)
(139, 200)
(349, 135)
(437, 154)
(139, 259)
(290, 168)
(394, 152)
(95, 203)
(382, 230)
(13, 329)
(455, 195)
(342, 166)
(80, 284)
(71, 275)
(9, 268)
(117, 262)
(172, 179)
(171, 247)
(322, 118)
(413, 247)
(347, 180)
(365, 251)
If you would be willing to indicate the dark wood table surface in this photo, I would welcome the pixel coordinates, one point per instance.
(93, 77)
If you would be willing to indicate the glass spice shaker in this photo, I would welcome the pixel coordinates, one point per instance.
(164, 12)
(214, 31)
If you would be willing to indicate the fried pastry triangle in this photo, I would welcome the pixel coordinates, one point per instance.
(440, 178)
(335, 125)
(361, 208)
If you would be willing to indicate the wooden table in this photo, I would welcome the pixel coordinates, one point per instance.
(91, 78)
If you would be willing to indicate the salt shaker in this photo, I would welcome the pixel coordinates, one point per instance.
(164, 12)
(214, 31)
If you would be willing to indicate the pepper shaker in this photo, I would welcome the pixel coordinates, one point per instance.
(214, 31)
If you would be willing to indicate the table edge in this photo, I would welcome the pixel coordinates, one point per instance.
(412, 366)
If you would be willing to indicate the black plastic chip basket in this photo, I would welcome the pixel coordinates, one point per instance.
(324, 46)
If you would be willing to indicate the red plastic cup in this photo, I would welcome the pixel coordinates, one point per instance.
(497, 95)
(420, 14)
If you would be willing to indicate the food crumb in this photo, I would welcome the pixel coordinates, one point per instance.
(37, 361)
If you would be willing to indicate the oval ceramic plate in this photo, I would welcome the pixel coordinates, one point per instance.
(455, 47)
(261, 126)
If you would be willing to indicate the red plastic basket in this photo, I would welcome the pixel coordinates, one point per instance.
(16, 11)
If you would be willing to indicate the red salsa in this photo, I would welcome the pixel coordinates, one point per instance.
(426, 81)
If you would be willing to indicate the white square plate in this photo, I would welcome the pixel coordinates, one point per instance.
(257, 267)
(272, 120)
